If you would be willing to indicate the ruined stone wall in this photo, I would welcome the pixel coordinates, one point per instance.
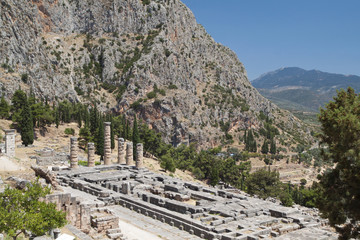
(48, 156)
(103, 219)
(78, 214)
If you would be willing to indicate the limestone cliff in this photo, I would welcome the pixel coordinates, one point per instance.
(148, 57)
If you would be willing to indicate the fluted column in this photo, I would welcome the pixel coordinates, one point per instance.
(139, 155)
(73, 152)
(121, 151)
(129, 154)
(91, 154)
(107, 143)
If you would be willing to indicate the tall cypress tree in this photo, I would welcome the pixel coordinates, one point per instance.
(94, 124)
(100, 138)
(135, 137)
(112, 136)
(273, 146)
(127, 130)
(26, 125)
(86, 116)
(265, 147)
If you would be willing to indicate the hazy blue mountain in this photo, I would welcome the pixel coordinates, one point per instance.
(298, 89)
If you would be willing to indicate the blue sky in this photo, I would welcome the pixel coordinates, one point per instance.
(270, 34)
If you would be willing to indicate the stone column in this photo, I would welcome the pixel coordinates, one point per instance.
(121, 151)
(129, 154)
(139, 155)
(91, 154)
(10, 142)
(107, 143)
(73, 152)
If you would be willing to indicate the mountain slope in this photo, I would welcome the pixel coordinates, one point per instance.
(133, 56)
(309, 89)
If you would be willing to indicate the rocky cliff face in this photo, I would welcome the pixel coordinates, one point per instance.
(148, 57)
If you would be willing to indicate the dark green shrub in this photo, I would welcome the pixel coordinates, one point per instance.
(69, 131)
(151, 95)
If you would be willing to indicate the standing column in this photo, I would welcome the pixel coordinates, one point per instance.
(121, 151)
(91, 154)
(139, 155)
(73, 152)
(107, 144)
(10, 142)
(129, 154)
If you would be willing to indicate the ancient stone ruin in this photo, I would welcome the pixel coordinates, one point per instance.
(202, 211)
(73, 152)
(107, 144)
(91, 154)
(121, 151)
(48, 156)
(10, 142)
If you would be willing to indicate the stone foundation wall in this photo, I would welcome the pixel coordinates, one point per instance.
(78, 214)
(103, 219)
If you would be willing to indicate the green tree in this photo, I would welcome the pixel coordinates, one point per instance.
(339, 199)
(99, 143)
(250, 144)
(84, 137)
(135, 137)
(273, 146)
(264, 183)
(17, 102)
(94, 121)
(21, 210)
(286, 199)
(265, 147)
(4, 109)
(167, 163)
(26, 125)
(57, 117)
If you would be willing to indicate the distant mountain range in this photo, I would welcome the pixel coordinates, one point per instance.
(294, 88)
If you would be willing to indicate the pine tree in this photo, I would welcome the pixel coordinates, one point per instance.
(17, 102)
(26, 125)
(339, 186)
(273, 146)
(4, 108)
(135, 137)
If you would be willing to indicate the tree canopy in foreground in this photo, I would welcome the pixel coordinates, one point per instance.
(22, 210)
(340, 186)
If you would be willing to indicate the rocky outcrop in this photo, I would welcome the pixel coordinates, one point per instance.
(130, 56)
